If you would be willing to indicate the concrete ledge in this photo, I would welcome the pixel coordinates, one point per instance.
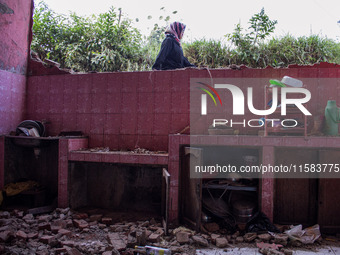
(119, 157)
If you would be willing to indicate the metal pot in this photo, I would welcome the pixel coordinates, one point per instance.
(234, 177)
(243, 210)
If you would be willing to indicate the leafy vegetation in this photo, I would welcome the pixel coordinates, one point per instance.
(303, 51)
(108, 42)
(248, 45)
(208, 53)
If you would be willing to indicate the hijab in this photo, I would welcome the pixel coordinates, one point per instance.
(177, 30)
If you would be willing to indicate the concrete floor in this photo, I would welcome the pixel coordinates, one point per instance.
(325, 250)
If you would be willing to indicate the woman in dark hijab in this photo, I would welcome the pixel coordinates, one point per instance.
(171, 54)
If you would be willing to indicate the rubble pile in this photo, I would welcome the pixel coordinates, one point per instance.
(66, 232)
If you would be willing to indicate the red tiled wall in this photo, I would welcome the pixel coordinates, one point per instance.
(12, 100)
(15, 32)
(117, 110)
(124, 110)
(14, 50)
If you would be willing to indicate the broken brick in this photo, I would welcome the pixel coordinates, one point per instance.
(44, 225)
(221, 242)
(32, 235)
(80, 224)
(107, 220)
(213, 238)
(6, 236)
(281, 239)
(21, 235)
(182, 237)
(68, 243)
(265, 237)
(28, 217)
(47, 239)
(154, 238)
(96, 217)
(200, 241)
(65, 232)
(239, 239)
(73, 251)
(80, 216)
(60, 250)
(55, 229)
(249, 237)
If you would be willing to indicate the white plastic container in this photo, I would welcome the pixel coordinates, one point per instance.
(157, 251)
(150, 250)
(289, 81)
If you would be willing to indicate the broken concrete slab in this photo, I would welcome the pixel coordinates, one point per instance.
(200, 241)
(182, 237)
(154, 238)
(116, 241)
(221, 242)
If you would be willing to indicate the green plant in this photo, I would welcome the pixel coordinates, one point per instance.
(47, 30)
(303, 50)
(247, 44)
(105, 42)
(109, 42)
(261, 26)
(207, 53)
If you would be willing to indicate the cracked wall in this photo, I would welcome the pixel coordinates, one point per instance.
(15, 30)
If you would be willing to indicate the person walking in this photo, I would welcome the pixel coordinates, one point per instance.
(171, 54)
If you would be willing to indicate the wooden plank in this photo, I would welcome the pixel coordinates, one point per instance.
(165, 198)
(41, 210)
(329, 196)
(295, 199)
(191, 189)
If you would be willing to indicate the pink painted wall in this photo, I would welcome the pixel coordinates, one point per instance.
(15, 32)
(12, 100)
(118, 110)
(124, 110)
(15, 20)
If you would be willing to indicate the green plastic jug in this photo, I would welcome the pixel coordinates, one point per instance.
(332, 118)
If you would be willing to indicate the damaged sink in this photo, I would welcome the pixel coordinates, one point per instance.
(31, 142)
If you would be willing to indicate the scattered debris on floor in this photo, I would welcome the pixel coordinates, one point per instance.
(146, 151)
(135, 151)
(306, 236)
(68, 232)
(99, 149)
